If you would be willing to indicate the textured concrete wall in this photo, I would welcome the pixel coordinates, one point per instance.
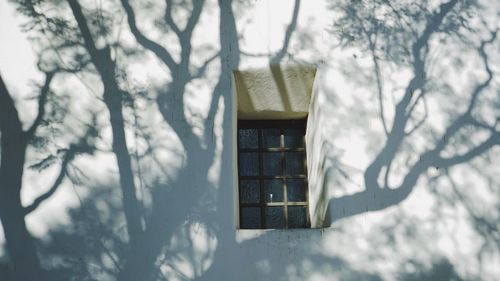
(443, 226)
(275, 92)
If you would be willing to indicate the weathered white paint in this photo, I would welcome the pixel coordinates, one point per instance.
(274, 92)
(317, 160)
(344, 134)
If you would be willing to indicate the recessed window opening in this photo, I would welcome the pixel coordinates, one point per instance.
(272, 174)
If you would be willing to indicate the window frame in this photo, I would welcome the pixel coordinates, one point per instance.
(261, 150)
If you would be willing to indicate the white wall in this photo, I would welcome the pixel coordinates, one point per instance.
(440, 228)
(430, 235)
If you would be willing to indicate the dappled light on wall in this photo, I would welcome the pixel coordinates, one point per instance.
(119, 148)
(274, 92)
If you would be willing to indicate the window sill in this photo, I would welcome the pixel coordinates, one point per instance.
(249, 234)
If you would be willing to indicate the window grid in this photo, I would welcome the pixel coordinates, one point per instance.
(284, 176)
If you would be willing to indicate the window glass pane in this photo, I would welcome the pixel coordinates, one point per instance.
(294, 163)
(297, 217)
(275, 217)
(273, 190)
(271, 138)
(264, 171)
(294, 138)
(248, 138)
(272, 164)
(250, 217)
(296, 190)
(249, 191)
(249, 164)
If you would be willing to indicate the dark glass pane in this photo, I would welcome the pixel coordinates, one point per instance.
(275, 217)
(273, 190)
(249, 191)
(249, 138)
(294, 163)
(250, 217)
(271, 138)
(249, 164)
(272, 164)
(294, 138)
(297, 217)
(296, 190)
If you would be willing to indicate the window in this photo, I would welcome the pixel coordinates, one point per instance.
(272, 174)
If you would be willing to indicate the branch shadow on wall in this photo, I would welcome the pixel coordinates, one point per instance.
(96, 245)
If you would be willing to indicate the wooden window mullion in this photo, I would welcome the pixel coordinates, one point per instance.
(261, 180)
(260, 150)
(283, 173)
